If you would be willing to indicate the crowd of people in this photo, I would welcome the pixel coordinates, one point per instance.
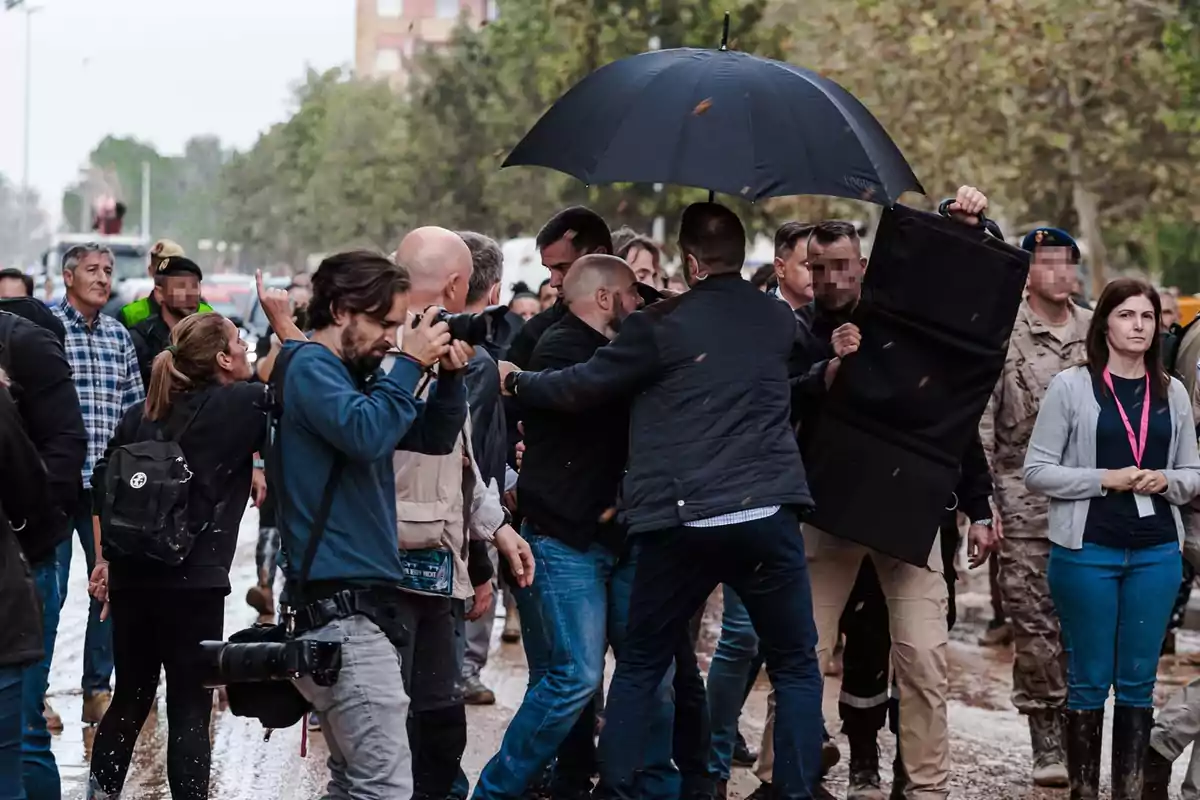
(407, 474)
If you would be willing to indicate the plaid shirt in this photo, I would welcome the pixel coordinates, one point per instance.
(107, 376)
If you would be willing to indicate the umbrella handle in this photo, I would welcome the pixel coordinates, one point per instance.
(987, 224)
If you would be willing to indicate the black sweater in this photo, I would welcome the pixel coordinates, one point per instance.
(571, 473)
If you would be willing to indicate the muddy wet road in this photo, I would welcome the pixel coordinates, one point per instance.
(990, 742)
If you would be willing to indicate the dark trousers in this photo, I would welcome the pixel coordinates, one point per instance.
(437, 719)
(152, 632)
(677, 570)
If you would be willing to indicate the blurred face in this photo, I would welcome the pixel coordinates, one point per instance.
(89, 284)
(366, 340)
(1052, 274)
(547, 295)
(558, 258)
(525, 307)
(1170, 310)
(12, 287)
(300, 295)
(1132, 326)
(643, 265)
(180, 294)
(676, 283)
(837, 271)
(795, 279)
(232, 365)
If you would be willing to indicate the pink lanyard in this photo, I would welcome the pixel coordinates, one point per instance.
(1138, 445)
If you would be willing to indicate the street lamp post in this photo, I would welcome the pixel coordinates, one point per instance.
(23, 215)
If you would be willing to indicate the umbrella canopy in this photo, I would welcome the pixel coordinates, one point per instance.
(718, 120)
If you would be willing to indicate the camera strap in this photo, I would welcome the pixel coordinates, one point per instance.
(275, 478)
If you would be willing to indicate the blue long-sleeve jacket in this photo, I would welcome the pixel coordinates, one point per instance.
(326, 411)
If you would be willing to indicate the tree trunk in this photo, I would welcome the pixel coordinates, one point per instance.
(1087, 209)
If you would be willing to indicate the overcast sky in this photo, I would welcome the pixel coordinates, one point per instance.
(160, 70)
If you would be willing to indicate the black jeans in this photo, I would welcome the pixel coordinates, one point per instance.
(155, 630)
(437, 719)
(677, 570)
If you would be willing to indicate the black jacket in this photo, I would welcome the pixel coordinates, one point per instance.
(811, 354)
(219, 446)
(571, 473)
(490, 442)
(150, 337)
(48, 403)
(709, 433)
(23, 492)
(488, 434)
(520, 350)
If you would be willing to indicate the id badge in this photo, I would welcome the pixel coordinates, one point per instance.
(428, 571)
(1145, 505)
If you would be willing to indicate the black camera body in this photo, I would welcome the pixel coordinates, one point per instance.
(489, 326)
(257, 662)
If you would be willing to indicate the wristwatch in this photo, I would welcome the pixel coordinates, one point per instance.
(510, 383)
(987, 523)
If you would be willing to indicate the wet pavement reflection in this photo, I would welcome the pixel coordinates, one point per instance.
(990, 742)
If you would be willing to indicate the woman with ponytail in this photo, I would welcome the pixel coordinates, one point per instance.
(199, 394)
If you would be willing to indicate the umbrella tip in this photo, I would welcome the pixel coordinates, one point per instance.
(725, 33)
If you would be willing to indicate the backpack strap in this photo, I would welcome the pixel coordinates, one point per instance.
(275, 470)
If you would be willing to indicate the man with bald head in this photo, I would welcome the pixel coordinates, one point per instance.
(440, 500)
(568, 486)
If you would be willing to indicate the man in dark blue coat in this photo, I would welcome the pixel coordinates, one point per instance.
(713, 491)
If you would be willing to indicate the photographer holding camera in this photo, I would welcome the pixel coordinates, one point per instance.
(204, 415)
(342, 422)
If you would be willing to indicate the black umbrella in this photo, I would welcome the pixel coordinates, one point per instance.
(718, 120)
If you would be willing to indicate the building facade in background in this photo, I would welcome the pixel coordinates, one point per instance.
(389, 32)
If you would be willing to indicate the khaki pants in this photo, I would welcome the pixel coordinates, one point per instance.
(917, 599)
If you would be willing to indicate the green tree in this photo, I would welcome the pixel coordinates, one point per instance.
(183, 189)
(336, 174)
(21, 212)
(1056, 107)
(473, 100)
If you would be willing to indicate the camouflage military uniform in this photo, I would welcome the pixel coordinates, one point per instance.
(1035, 356)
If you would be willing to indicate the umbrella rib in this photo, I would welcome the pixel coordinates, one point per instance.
(701, 75)
(634, 99)
(860, 135)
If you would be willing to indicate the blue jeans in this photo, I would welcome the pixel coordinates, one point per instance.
(727, 677)
(1114, 606)
(12, 781)
(41, 770)
(677, 569)
(97, 643)
(577, 606)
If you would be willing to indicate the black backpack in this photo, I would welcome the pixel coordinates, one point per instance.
(146, 488)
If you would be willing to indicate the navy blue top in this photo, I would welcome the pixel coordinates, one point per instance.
(1113, 519)
(325, 411)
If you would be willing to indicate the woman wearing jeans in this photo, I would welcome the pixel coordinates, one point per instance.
(1114, 448)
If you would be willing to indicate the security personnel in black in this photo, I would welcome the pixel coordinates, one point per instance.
(177, 288)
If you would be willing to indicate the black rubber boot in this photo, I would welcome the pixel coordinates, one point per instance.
(899, 776)
(1130, 739)
(864, 768)
(1156, 776)
(1084, 735)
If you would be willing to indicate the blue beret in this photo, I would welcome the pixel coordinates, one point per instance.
(1049, 237)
